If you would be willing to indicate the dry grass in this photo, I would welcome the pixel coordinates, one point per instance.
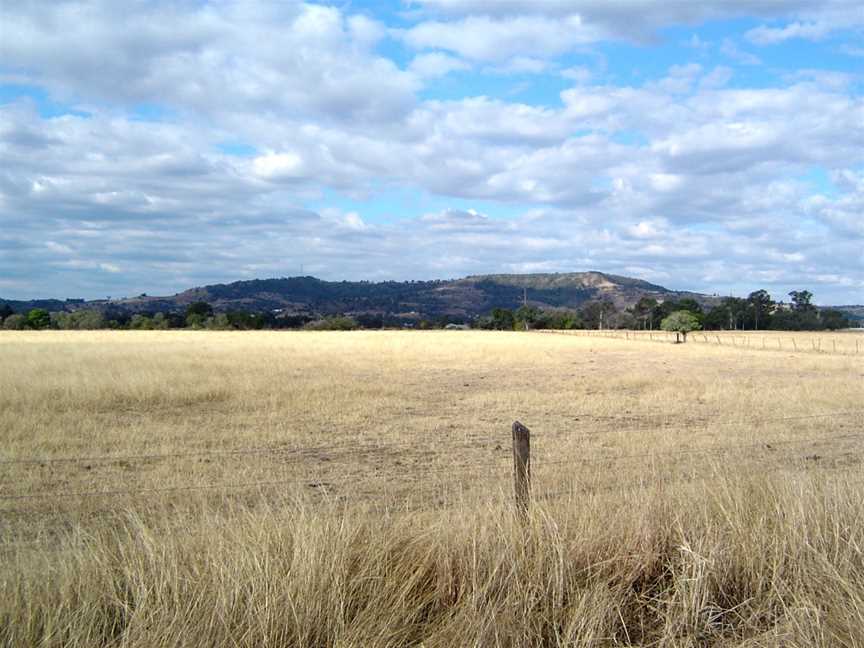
(846, 342)
(687, 495)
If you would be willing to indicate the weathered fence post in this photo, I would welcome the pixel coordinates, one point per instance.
(522, 466)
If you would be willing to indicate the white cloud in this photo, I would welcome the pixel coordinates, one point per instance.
(481, 38)
(436, 64)
(233, 57)
(278, 165)
(763, 35)
(682, 176)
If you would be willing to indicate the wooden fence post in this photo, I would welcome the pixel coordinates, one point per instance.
(522, 466)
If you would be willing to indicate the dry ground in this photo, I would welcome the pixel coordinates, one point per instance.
(709, 482)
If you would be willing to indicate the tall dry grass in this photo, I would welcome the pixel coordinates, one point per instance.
(684, 495)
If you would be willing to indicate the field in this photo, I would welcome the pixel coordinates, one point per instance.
(355, 489)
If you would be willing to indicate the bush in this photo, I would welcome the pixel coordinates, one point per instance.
(141, 322)
(80, 320)
(38, 318)
(334, 323)
(681, 321)
(15, 322)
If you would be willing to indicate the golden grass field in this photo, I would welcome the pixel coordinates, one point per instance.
(354, 489)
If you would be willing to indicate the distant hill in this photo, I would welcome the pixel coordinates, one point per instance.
(853, 312)
(461, 298)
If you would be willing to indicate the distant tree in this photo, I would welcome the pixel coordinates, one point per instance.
(735, 311)
(218, 322)
(598, 314)
(161, 322)
(196, 321)
(681, 322)
(526, 317)
(5, 311)
(834, 319)
(801, 301)
(503, 319)
(197, 314)
(368, 321)
(15, 322)
(805, 316)
(38, 318)
(246, 321)
(559, 319)
(715, 319)
(760, 306)
(661, 311)
(332, 323)
(141, 322)
(642, 311)
(80, 320)
(688, 304)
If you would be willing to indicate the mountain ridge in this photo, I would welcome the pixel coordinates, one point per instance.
(464, 297)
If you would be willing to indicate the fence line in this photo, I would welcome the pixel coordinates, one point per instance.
(653, 481)
(448, 468)
(766, 444)
(740, 339)
(302, 452)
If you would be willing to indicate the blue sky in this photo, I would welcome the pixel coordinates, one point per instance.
(712, 146)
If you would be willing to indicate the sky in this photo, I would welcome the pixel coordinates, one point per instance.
(152, 146)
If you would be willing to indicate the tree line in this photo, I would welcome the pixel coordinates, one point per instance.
(757, 311)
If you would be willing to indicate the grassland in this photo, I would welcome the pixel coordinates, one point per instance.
(352, 489)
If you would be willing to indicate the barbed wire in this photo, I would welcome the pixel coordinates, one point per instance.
(320, 481)
(450, 468)
(788, 467)
(737, 338)
(765, 444)
(303, 451)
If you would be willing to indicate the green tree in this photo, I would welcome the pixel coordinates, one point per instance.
(197, 314)
(833, 319)
(218, 322)
(642, 311)
(688, 304)
(161, 322)
(598, 314)
(682, 322)
(38, 318)
(760, 305)
(196, 321)
(332, 323)
(526, 317)
(801, 301)
(140, 322)
(735, 310)
(560, 319)
(15, 322)
(80, 320)
(503, 319)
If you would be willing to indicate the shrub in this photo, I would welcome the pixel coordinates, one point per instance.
(15, 322)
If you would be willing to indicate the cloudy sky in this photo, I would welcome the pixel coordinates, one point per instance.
(149, 146)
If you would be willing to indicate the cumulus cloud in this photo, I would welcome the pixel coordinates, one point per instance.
(236, 57)
(436, 64)
(692, 176)
(482, 38)
(639, 19)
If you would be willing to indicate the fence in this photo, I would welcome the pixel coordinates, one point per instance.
(839, 343)
(524, 468)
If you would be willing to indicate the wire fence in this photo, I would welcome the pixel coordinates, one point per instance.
(850, 343)
(446, 468)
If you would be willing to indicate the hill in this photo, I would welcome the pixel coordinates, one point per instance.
(461, 298)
